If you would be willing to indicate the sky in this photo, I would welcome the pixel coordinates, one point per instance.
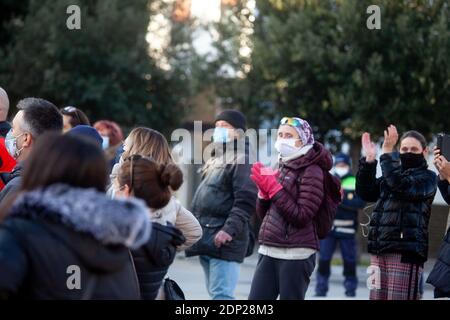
(206, 10)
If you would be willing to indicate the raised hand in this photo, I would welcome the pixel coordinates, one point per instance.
(390, 139)
(255, 174)
(442, 165)
(369, 148)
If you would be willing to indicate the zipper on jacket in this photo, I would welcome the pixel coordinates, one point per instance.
(401, 224)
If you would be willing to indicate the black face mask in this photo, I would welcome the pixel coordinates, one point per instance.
(412, 160)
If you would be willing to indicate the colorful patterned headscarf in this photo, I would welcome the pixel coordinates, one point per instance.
(303, 128)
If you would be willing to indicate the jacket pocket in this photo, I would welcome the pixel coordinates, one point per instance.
(212, 222)
(210, 226)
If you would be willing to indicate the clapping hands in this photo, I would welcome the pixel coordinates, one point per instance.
(370, 148)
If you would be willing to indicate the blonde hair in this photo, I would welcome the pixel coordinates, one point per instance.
(148, 143)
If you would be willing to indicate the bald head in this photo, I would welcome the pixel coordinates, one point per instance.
(4, 105)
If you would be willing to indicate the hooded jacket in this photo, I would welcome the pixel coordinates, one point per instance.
(289, 217)
(61, 242)
(153, 259)
(225, 200)
(440, 274)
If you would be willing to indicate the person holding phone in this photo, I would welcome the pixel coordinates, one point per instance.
(398, 228)
(439, 277)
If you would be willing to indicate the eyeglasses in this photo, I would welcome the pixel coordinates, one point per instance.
(291, 121)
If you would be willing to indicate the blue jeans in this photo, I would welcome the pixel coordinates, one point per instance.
(348, 251)
(221, 277)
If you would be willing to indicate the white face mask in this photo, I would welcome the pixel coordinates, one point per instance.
(286, 147)
(11, 144)
(341, 172)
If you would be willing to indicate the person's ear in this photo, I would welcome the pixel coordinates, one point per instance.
(123, 192)
(426, 152)
(126, 191)
(27, 140)
(298, 143)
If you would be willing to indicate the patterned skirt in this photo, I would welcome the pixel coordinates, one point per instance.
(394, 280)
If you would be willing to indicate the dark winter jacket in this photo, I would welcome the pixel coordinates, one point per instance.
(153, 259)
(399, 222)
(5, 126)
(346, 220)
(289, 217)
(12, 182)
(57, 236)
(440, 275)
(225, 200)
(444, 188)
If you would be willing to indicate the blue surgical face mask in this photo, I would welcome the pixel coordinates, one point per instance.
(221, 135)
(105, 143)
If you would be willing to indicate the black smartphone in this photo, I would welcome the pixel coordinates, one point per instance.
(443, 144)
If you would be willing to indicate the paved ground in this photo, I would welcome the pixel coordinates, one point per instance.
(189, 275)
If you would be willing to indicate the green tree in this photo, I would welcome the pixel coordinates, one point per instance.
(104, 68)
(318, 60)
(12, 13)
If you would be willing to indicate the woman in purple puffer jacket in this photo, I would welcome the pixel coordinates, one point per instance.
(288, 201)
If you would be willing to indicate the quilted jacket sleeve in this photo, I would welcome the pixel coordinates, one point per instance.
(300, 210)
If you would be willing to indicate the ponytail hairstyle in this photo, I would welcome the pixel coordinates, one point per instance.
(149, 180)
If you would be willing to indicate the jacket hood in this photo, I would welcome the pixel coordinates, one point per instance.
(316, 155)
(110, 222)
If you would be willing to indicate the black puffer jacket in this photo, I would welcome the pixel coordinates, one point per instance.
(225, 200)
(51, 232)
(440, 275)
(399, 222)
(153, 259)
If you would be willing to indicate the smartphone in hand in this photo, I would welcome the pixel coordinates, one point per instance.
(443, 144)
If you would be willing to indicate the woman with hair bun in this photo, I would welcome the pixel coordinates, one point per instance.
(148, 180)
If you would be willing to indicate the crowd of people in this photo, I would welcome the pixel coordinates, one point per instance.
(85, 198)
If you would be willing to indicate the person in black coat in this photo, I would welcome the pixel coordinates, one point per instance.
(344, 229)
(398, 229)
(62, 238)
(35, 116)
(152, 260)
(223, 203)
(143, 178)
(440, 274)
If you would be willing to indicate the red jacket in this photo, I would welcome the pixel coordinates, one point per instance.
(288, 217)
(7, 163)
